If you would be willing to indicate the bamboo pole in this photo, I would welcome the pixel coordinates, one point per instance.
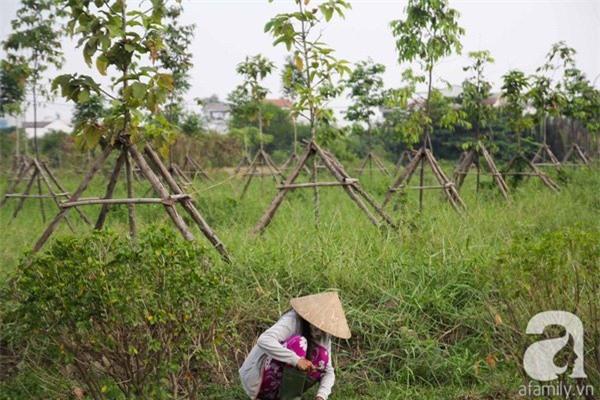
(26, 193)
(60, 187)
(349, 189)
(49, 187)
(82, 186)
(110, 188)
(161, 191)
(267, 217)
(188, 205)
(313, 184)
(404, 176)
(448, 186)
(39, 188)
(497, 176)
(23, 169)
(130, 206)
(34, 196)
(251, 171)
(171, 200)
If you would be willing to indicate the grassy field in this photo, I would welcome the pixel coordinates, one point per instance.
(438, 309)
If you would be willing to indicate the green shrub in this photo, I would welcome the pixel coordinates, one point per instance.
(115, 318)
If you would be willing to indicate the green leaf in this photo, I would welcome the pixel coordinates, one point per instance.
(83, 96)
(299, 63)
(327, 11)
(102, 64)
(165, 81)
(138, 90)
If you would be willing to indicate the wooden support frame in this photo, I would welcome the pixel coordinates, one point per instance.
(580, 157)
(405, 158)
(545, 157)
(244, 163)
(370, 159)
(471, 158)
(351, 186)
(193, 168)
(179, 175)
(421, 157)
(36, 171)
(290, 162)
(519, 158)
(261, 160)
(169, 196)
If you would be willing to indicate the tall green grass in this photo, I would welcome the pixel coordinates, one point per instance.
(435, 307)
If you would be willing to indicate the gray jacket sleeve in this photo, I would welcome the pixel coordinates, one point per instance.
(270, 341)
(328, 379)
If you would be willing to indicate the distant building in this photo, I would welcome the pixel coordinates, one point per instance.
(217, 115)
(46, 126)
(495, 100)
(281, 103)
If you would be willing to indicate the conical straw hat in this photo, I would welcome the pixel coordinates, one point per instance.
(324, 311)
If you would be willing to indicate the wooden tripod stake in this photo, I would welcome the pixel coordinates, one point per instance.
(472, 158)
(294, 159)
(545, 157)
(257, 166)
(370, 159)
(350, 185)
(192, 167)
(534, 171)
(576, 151)
(170, 195)
(405, 158)
(422, 156)
(35, 170)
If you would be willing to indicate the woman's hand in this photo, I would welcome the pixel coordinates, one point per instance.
(304, 364)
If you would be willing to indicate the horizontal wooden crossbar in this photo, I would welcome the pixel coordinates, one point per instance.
(34, 196)
(261, 174)
(91, 201)
(481, 173)
(572, 165)
(292, 186)
(402, 187)
(520, 174)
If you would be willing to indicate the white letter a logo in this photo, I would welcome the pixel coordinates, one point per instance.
(538, 359)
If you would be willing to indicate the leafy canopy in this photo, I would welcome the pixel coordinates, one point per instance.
(13, 79)
(545, 94)
(406, 115)
(291, 77)
(476, 90)
(127, 43)
(429, 32)
(248, 97)
(514, 88)
(366, 90)
(300, 32)
(33, 45)
(572, 95)
(176, 58)
(253, 70)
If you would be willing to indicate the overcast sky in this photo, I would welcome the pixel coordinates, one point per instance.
(517, 32)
